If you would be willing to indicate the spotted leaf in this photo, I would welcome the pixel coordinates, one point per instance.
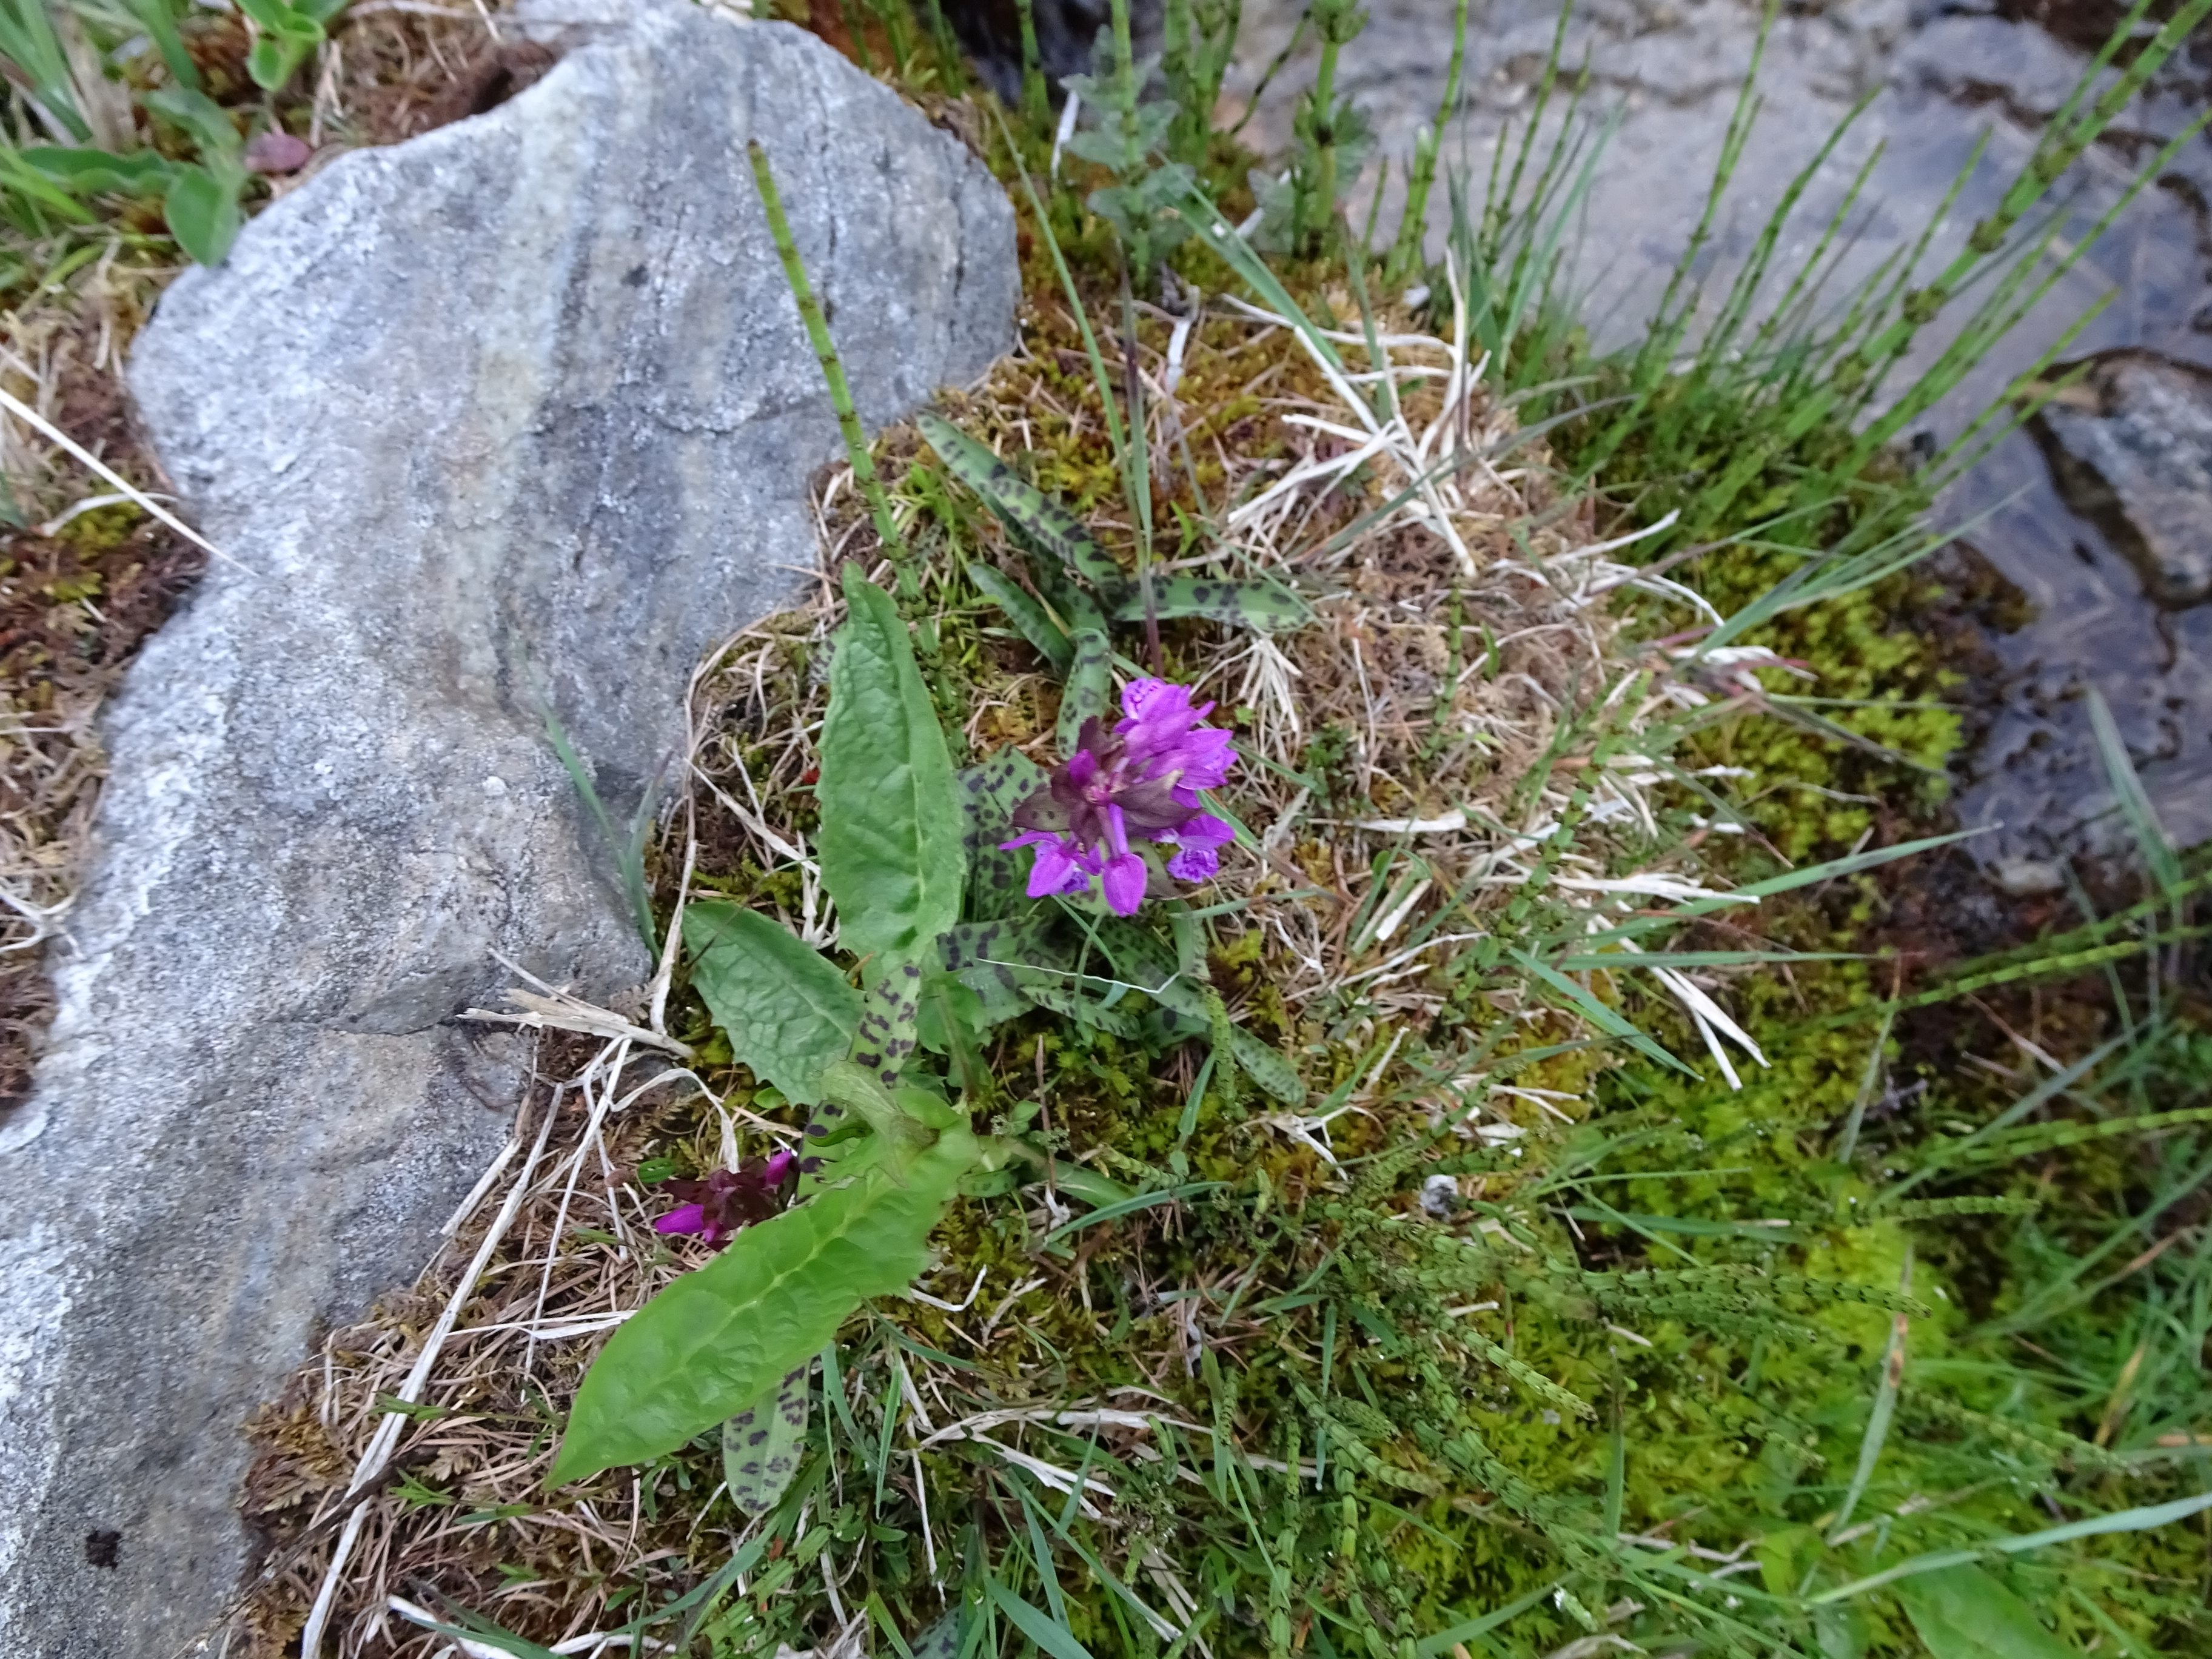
(1032, 518)
(1241, 605)
(761, 1444)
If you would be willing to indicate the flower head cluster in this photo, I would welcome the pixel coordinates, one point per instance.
(729, 1199)
(1138, 781)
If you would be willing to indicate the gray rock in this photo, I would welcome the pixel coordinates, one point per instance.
(515, 417)
(2130, 449)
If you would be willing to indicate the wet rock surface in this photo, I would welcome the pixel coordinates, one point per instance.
(515, 419)
(1940, 77)
(2129, 447)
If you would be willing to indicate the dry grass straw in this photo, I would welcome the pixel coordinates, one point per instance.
(1462, 760)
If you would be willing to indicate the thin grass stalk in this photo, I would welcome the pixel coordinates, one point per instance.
(858, 36)
(1037, 100)
(1744, 291)
(1974, 343)
(1138, 479)
(1497, 204)
(833, 374)
(1669, 323)
(1406, 257)
(894, 16)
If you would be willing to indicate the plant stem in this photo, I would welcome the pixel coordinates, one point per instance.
(1406, 257)
(1139, 476)
(1037, 100)
(833, 373)
(953, 74)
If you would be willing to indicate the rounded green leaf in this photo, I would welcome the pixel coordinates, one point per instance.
(1961, 1612)
(788, 1011)
(203, 214)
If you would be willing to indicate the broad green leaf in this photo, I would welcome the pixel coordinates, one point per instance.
(203, 214)
(1038, 523)
(1089, 691)
(1241, 605)
(32, 190)
(1961, 1612)
(1045, 636)
(761, 1444)
(892, 823)
(99, 171)
(788, 1011)
(719, 1339)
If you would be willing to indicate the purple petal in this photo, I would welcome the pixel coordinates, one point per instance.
(684, 1219)
(779, 1167)
(1194, 864)
(1057, 868)
(1125, 878)
(1203, 833)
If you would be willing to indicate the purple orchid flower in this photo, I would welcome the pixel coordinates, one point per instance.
(727, 1199)
(1139, 781)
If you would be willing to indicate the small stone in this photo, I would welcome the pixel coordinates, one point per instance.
(2022, 877)
(276, 152)
(2129, 448)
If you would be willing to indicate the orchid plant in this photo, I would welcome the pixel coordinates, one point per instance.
(950, 940)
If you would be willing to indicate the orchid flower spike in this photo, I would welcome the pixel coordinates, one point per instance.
(1137, 781)
(728, 1200)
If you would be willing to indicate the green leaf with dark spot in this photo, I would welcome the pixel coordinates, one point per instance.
(990, 792)
(998, 880)
(1089, 688)
(718, 1340)
(1266, 1067)
(1241, 605)
(761, 1444)
(892, 823)
(1074, 606)
(788, 1011)
(889, 1014)
(1033, 518)
(1045, 636)
(942, 1639)
(1050, 991)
